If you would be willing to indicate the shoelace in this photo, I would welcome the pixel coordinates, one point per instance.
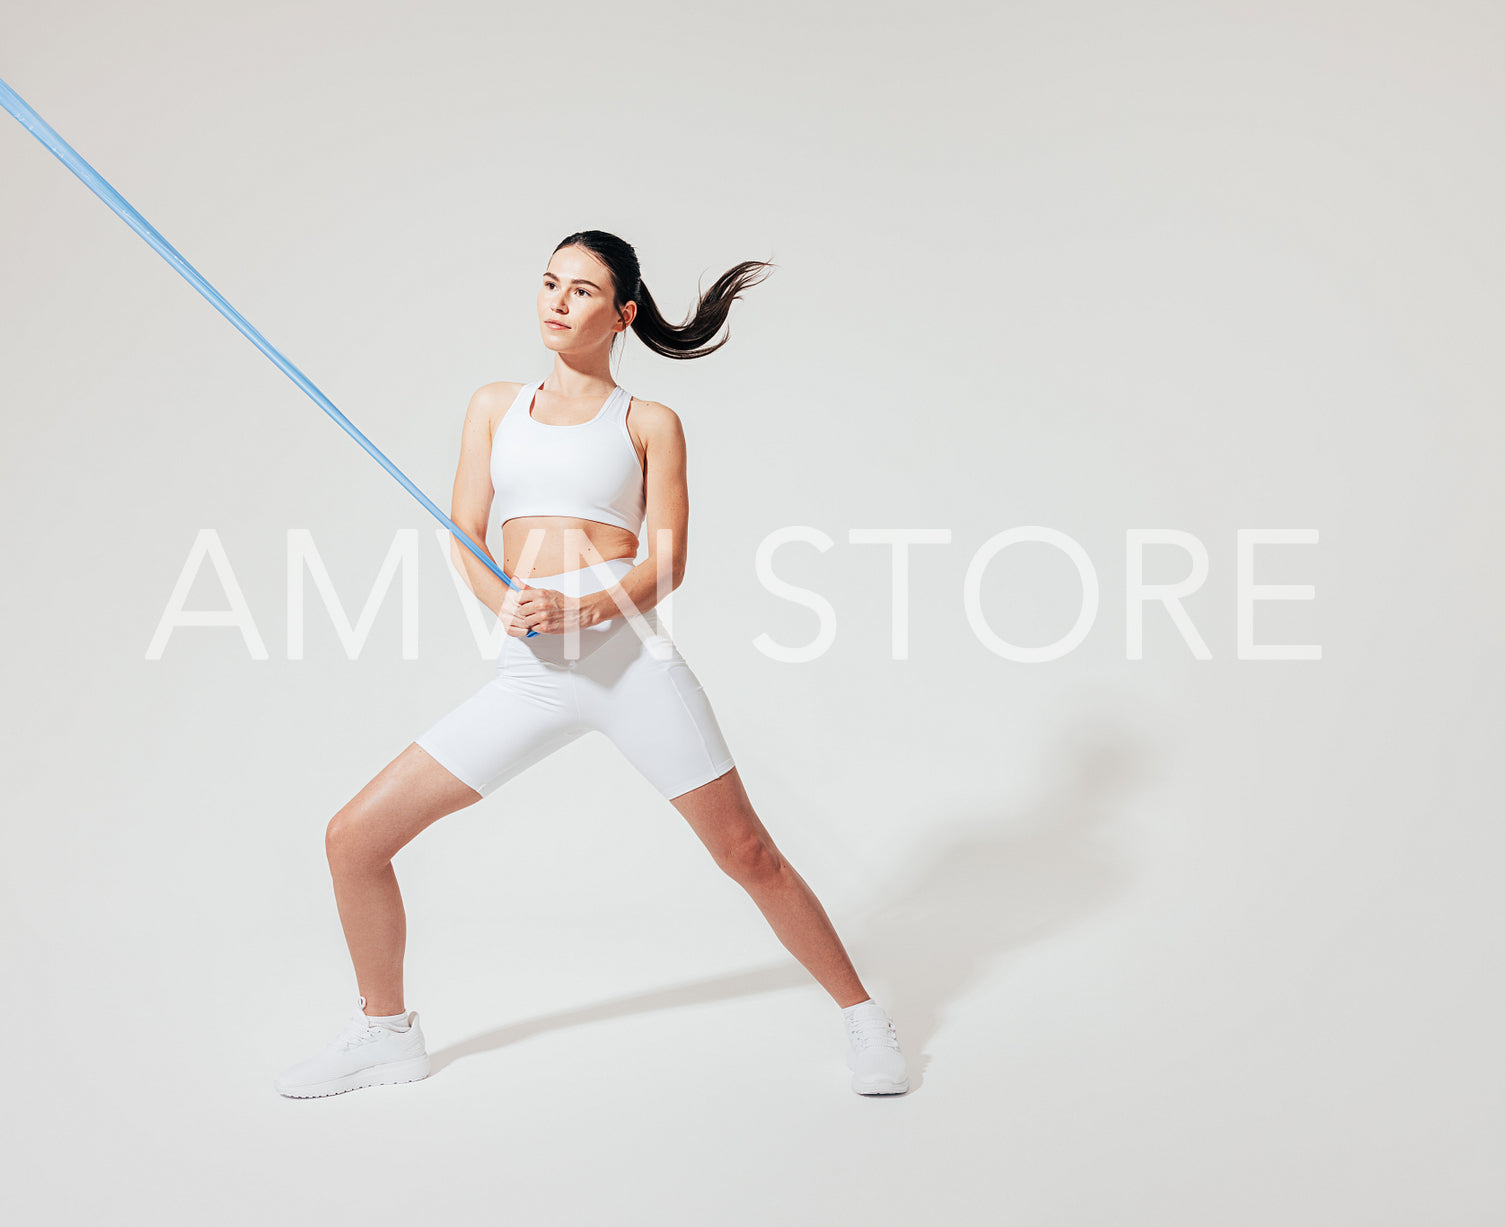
(873, 1033)
(358, 1030)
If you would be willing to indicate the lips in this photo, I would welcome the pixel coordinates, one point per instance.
(552, 324)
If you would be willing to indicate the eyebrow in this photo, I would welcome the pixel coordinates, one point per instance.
(573, 280)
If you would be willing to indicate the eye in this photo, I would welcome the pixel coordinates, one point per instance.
(579, 290)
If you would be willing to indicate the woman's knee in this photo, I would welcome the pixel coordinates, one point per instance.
(751, 860)
(349, 840)
(338, 837)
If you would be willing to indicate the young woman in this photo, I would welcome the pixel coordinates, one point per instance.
(574, 466)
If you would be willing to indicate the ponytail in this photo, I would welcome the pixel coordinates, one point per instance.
(690, 339)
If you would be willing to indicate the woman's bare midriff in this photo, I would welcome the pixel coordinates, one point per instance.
(555, 553)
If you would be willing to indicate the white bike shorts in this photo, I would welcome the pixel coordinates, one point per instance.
(638, 691)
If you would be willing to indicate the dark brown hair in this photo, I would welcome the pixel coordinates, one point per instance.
(687, 340)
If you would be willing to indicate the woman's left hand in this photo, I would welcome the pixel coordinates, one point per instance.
(548, 611)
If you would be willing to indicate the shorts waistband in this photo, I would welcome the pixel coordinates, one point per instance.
(582, 580)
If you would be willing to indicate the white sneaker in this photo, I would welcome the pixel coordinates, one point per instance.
(873, 1056)
(365, 1053)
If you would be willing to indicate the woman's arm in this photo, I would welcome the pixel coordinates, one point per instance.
(470, 503)
(667, 511)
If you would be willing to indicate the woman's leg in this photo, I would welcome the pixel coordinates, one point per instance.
(721, 814)
(407, 795)
(648, 701)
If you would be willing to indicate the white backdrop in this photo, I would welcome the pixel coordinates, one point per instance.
(1168, 939)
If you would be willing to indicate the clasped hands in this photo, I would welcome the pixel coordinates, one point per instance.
(545, 610)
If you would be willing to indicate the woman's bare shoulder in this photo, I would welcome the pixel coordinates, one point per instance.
(501, 389)
(654, 416)
(492, 400)
(654, 427)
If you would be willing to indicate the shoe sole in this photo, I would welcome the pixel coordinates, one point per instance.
(880, 1087)
(415, 1069)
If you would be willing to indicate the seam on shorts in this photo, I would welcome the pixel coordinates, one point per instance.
(694, 723)
(574, 686)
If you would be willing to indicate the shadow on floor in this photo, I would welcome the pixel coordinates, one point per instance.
(991, 884)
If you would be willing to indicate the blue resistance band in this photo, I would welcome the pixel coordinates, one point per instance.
(39, 128)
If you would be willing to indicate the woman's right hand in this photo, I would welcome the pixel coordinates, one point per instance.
(508, 613)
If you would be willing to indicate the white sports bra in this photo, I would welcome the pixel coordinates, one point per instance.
(587, 470)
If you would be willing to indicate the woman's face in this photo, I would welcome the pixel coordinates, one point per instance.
(574, 303)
